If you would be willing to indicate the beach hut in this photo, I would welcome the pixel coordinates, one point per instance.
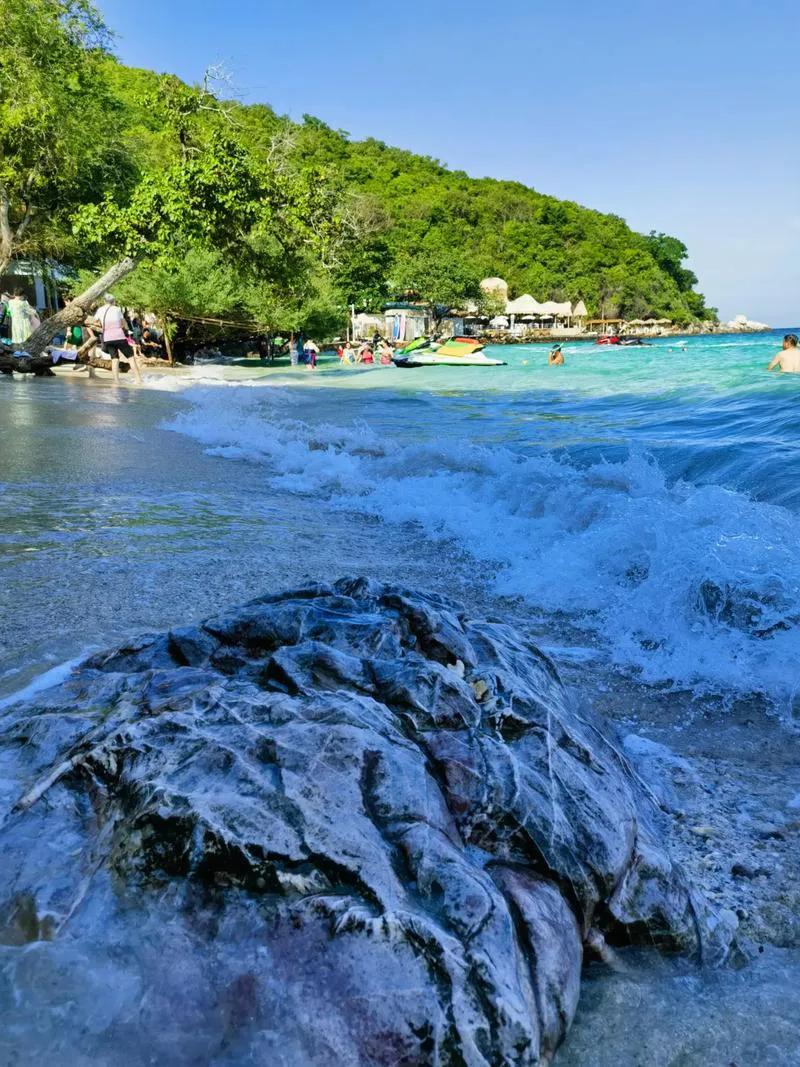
(365, 325)
(451, 325)
(523, 305)
(604, 327)
(579, 314)
(558, 311)
(405, 321)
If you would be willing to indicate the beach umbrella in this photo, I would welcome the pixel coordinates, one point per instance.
(499, 320)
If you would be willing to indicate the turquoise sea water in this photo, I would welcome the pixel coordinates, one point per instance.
(648, 495)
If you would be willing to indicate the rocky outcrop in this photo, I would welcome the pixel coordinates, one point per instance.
(341, 825)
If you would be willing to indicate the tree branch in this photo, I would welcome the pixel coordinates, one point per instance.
(6, 236)
(25, 222)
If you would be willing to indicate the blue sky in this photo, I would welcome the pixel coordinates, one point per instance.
(680, 117)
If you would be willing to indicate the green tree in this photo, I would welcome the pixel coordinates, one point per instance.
(670, 254)
(56, 117)
(491, 304)
(362, 276)
(216, 193)
(438, 276)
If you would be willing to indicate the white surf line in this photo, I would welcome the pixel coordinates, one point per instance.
(46, 680)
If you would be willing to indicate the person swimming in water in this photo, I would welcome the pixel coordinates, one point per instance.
(788, 359)
(556, 357)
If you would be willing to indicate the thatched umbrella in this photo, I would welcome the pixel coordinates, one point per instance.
(523, 305)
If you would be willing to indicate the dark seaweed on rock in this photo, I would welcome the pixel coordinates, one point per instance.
(400, 806)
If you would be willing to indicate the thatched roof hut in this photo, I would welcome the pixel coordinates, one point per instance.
(558, 310)
(524, 305)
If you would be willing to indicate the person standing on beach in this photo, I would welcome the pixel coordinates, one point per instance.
(24, 319)
(114, 333)
(788, 359)
(5, 317)
(556, 357)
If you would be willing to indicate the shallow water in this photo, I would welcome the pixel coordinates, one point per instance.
(642, 503)
(111, 526)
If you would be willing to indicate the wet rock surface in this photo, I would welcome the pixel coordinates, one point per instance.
(340, 824)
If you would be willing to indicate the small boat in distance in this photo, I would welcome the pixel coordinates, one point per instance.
(456, 352)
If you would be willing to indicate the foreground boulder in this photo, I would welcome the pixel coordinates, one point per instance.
(339, 825)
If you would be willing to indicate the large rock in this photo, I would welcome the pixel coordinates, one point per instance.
(339, 825)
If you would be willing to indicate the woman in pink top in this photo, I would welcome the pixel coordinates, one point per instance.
(114, 336)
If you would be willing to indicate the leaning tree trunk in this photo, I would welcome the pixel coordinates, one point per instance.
(167, 342)
(76, 310)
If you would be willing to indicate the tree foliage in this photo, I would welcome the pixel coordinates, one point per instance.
(57, 117)
(438, 274)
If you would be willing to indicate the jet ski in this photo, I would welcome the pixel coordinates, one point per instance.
(607, 341)
(457, 352)
(419, 344)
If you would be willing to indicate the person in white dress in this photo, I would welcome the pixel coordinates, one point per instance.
(24, 319)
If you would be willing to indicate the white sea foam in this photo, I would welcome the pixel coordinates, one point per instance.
(684, 585)
(208, 375)
(46, 680)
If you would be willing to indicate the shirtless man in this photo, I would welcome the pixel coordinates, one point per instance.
(788, 359)
(556, 357)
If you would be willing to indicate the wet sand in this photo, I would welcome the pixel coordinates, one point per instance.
(110, 526)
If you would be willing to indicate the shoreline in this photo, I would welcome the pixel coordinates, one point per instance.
(42, 366)
(567, 338)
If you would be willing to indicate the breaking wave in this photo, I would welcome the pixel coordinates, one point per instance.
(684, 585)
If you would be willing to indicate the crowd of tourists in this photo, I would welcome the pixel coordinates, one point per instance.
(117, 333)
(307, 352)
(366, 353)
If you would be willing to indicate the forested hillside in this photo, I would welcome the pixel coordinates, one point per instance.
(437, 232)
(433, 223)
(101, 161)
